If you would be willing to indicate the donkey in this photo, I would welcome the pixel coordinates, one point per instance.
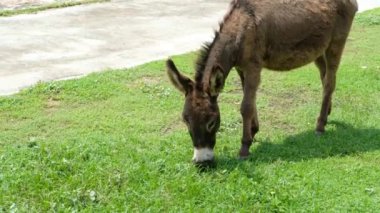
(279, 35)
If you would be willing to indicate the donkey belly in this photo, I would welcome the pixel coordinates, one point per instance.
(292, 57)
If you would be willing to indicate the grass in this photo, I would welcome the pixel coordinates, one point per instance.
(54, 5)
(114, 141)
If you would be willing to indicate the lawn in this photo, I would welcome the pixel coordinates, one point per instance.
(114, 141)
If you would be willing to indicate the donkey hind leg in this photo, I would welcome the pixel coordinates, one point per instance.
(321, 63)
(332, 60)
(249, 111)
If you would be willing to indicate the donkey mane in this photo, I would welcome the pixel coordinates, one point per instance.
(207, 46)
(203, 57)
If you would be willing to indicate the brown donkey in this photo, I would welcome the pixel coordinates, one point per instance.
(275, 34)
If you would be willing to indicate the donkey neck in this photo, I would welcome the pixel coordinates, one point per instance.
(224, 50)
(221, 52)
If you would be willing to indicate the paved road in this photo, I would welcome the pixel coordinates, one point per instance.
(75, 41)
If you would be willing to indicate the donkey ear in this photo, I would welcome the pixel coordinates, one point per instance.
(181, 82)
(216, 80)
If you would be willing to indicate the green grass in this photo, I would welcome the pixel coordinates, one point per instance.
(35, 9)
(114, 141)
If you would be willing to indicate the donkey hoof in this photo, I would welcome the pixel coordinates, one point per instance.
(245, 157)
(319, 132)
(244, 154)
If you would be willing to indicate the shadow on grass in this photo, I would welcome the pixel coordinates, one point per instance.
(343, 140)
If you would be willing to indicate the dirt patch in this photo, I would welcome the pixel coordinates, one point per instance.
(173, 126)
(150, 80)
(52, 105)
(145, 81)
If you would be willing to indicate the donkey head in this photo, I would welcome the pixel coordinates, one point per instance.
(201, 111)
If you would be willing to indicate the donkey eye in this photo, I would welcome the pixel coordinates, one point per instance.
(211, 125)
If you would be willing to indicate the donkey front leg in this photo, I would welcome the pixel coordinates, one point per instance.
(248, 110)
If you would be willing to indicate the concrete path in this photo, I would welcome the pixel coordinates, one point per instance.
(75, 41)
